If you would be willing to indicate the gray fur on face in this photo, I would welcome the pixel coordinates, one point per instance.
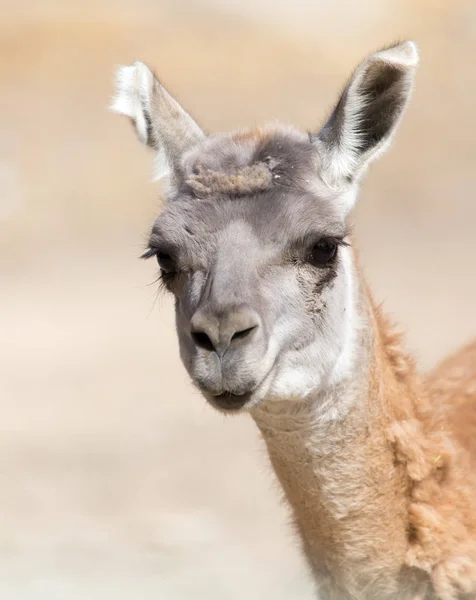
(285, 212)
(250, 249)
(244, 163)
(256, 316)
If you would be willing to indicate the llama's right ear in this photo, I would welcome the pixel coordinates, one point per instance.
(159, 120)
(365, 118)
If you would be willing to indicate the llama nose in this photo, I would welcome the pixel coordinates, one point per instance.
(231, 328)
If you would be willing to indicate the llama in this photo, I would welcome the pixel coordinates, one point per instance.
(274, 318)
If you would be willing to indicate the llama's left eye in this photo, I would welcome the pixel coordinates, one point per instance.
(166, 262)
(322, 253)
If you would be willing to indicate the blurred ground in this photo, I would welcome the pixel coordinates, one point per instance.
(117, 481)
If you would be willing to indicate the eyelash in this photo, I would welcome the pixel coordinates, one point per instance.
(303, 246)
(149, 253)
(340, 242)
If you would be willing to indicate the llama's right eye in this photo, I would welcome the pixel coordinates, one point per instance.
(166, 262)
(322, 253)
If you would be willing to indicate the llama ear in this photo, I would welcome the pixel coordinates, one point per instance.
(362, 124)
(159, 120)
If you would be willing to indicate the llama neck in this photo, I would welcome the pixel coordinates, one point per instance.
(348, 495)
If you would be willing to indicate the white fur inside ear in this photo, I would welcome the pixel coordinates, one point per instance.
(133, 91)
(162, 166)
(345, 159)
(342, 160)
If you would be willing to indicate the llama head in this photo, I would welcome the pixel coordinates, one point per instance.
(253, 239)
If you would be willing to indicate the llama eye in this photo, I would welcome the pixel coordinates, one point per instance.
(166, 262)
(322, 253)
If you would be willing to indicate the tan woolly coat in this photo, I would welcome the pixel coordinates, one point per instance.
(385, 498)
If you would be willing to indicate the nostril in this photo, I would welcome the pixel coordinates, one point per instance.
(202, 340)
(243, 333)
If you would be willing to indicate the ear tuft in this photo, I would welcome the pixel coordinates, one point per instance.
(132, 99)
(405, 54)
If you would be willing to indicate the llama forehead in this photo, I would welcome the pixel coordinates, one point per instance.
(275, 218)
(266, 178)
(246, 162)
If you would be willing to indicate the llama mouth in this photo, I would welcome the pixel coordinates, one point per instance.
(229, 402)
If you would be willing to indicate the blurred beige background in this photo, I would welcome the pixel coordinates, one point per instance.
(117, 480)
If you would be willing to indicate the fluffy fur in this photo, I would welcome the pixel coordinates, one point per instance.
(252, 179)
(437, 445)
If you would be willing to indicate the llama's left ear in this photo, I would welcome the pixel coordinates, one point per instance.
(363, 122)
(159, 120)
